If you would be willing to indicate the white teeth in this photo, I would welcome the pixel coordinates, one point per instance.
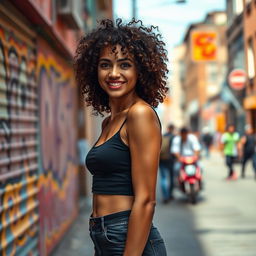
(114, 84)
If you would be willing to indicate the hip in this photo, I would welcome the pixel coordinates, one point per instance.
(109, 232)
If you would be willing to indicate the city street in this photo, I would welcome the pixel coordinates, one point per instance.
(223, 223)
(66, 65)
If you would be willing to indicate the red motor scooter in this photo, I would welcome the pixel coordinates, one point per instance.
(190, 177)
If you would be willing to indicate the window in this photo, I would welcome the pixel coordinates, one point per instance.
(212, 72)
(238, 6)
(213, 79)
(220, 19)
(237, 53)
(250, 59)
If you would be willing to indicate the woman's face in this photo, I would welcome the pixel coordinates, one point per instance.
(117, 73)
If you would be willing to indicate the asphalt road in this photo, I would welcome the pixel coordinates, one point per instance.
(223, 223)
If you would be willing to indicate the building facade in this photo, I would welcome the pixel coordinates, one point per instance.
(176, 89)
(205, 69)
(249, 16)
(235, 113)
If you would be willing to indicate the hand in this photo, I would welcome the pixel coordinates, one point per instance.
(180, 159)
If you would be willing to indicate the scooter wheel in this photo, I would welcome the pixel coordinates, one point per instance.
(192, 194)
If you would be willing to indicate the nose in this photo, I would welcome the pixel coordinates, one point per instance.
(114, 72)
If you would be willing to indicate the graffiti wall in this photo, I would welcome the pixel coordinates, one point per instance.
(58, 182)
(18, 142)
(38, 136)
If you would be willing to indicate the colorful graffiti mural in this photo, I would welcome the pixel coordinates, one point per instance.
(38, 165)
(18, 154)
(58, 185)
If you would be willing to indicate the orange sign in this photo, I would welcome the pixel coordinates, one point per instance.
(204, 45)
(220, 122)
(250, 102)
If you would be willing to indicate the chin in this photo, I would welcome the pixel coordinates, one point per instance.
(116, 94)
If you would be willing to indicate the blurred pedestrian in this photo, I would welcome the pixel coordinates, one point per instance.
(229, 141)
(121, 68)
(185, 144)
(207, 140)
(166, 165)
(254, 162)
(247, 144)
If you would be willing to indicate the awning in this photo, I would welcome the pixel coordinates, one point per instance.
(228, 97)
(250, 102)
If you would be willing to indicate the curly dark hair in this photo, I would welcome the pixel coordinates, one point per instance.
(143, 43)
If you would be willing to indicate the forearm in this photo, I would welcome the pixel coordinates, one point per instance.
(197, 153)
(139, 226)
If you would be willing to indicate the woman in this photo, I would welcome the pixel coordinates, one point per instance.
(122, 71)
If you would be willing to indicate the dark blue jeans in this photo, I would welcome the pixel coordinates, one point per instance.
(108, 234)
(230, 160)
(166, 178)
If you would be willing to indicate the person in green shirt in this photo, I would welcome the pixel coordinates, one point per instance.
(229, 140)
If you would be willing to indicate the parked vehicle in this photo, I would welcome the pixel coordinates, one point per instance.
(190, 177)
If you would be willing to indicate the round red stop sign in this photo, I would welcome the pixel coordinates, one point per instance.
(237, 79)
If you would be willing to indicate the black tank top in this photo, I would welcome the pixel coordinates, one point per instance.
(110, 165)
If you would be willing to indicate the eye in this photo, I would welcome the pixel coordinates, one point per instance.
(125, 65)
(104, 65)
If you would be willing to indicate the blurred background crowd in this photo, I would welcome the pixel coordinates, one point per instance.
(46, 130)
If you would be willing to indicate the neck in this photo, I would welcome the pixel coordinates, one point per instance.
(119, 105)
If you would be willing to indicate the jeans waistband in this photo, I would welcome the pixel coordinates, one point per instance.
(110, 218)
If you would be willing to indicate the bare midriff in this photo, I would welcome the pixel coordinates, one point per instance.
(108, 204)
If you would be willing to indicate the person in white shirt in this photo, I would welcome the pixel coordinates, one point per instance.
(185, 144)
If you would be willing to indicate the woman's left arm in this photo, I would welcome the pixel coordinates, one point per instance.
(144, 137)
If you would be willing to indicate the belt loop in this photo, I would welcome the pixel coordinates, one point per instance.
(102, 223)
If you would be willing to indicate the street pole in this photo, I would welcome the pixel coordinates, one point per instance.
(181, 2)
(134, 9)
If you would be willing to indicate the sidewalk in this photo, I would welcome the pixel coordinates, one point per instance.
(77, 241)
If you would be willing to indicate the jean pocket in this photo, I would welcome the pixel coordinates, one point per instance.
(116, 233)
(158, 247)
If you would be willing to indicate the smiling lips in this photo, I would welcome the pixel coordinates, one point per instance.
(115, 84)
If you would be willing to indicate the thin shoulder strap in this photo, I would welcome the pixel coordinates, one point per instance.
(122, 124)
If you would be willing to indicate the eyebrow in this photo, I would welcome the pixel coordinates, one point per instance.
(119, 60)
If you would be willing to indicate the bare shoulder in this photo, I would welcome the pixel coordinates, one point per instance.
(141, 110)
(142, 116)
(142, 124)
